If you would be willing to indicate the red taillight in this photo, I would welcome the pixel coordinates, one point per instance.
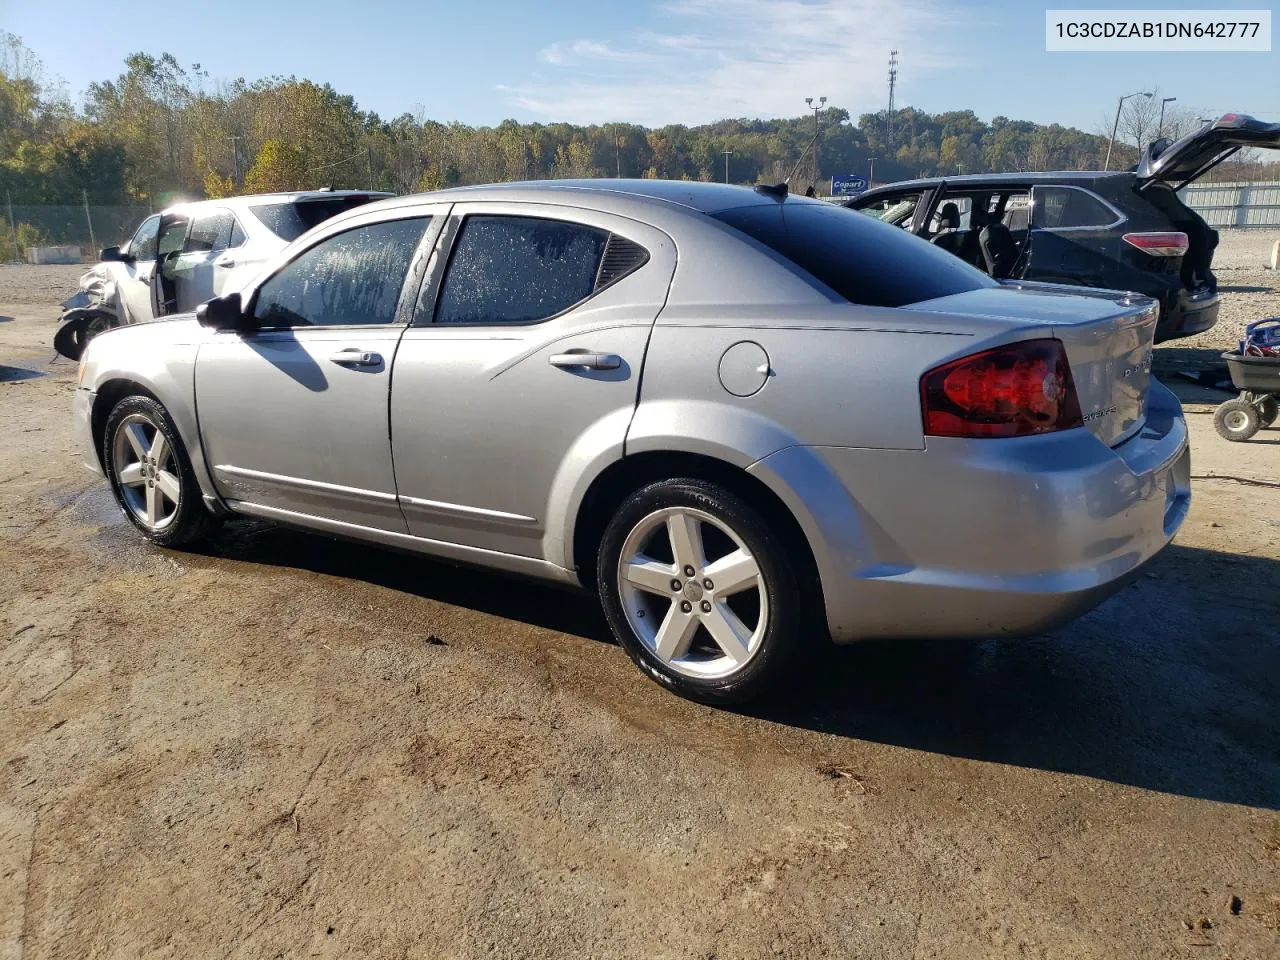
(1011, 391)
(1158, 244)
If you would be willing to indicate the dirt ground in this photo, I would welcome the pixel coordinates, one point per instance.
(286, 746)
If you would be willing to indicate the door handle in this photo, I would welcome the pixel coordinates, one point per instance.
(355, 357)
(591, 361)
(224, 263)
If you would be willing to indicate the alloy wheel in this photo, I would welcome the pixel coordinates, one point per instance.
(693, 593)
(147, 471)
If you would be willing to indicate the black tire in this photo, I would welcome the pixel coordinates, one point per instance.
(785, 633)
(1268, 409)
(1236, 420)
(190, 520)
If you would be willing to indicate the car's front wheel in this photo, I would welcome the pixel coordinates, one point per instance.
(151, 474)
(700, 591)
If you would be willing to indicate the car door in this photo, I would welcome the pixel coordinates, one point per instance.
(133, 276)
(164, 278)
(199, 271)
(522, 364)
(1073, 237)
(293, 413)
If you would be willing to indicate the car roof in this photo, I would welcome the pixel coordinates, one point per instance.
(979, 180)
(606, 194)
(257, 199)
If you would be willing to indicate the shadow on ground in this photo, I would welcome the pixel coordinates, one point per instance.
(1169, 686)
(10, 374)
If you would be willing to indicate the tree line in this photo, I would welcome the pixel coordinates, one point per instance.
(160, 130)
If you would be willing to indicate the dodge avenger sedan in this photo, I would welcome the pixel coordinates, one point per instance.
(746, 419)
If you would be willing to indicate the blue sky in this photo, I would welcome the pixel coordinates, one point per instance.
(668, 61)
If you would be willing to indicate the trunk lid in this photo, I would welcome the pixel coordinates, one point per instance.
(1108, 337)
(1182, 161)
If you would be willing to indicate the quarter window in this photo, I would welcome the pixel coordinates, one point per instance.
(519, 269)
(1056, 208)
(351, 278)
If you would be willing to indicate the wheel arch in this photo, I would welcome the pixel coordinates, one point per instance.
(624, 476)
(110, 390)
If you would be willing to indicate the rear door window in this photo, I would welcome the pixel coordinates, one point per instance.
(352, 278)
(512, 270)
(1068, 208)
(210, 232)
(862, 260)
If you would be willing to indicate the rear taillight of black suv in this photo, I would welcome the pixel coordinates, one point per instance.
(1170, 244)
(1011, 391)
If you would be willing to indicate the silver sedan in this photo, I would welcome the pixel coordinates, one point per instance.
(748, 420)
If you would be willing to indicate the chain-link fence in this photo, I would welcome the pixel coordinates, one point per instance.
(24, 226)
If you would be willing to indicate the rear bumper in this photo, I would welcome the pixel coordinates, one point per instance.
(1184, 314)
(82, 428)
(993, 538)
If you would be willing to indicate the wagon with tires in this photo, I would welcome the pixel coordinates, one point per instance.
(1255, 372)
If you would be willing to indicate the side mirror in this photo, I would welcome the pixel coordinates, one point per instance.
(223, 313)
(113, 254)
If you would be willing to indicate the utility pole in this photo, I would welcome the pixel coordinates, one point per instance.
(727, 155)
(893, 83)
(368, 159)
(617, 153)
(93, 241)
(871, 180)
(817, 130)
(1160, 132)
(235, 158)
(13, 227)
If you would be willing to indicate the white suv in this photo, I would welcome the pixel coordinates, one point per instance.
(190, 253)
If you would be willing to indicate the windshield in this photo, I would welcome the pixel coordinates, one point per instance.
(863, 260)
(291, 219)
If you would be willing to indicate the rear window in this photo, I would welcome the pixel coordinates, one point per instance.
(860, 258)
(291, 219)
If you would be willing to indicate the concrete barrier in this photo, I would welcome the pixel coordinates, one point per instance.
(65, 254)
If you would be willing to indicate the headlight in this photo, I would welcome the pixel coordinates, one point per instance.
(84, 362)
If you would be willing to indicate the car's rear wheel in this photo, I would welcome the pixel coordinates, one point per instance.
(1236, 419)
(699, 591)
(151, 474)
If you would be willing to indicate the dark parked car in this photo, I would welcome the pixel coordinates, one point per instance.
(1125, 230)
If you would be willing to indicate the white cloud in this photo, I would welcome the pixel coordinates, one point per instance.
(740, 58)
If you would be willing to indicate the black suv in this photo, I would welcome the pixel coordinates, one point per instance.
(1126, 230)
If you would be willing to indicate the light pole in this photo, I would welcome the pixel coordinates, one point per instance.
(871, 180)
(817, 129)
(1160, 132)
(1116, 126)
(727, 155)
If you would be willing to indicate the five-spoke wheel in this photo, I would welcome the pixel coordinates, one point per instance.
(146, 471)
(697, 588)
(151, 475)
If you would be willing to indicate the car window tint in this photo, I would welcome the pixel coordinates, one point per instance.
(237, 234)
(291, 219)
(210, 233)
(351, 278)
(861, 259)
(142, 246)
(1059, 207)
(518, 269)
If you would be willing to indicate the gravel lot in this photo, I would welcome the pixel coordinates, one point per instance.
(284, 746)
